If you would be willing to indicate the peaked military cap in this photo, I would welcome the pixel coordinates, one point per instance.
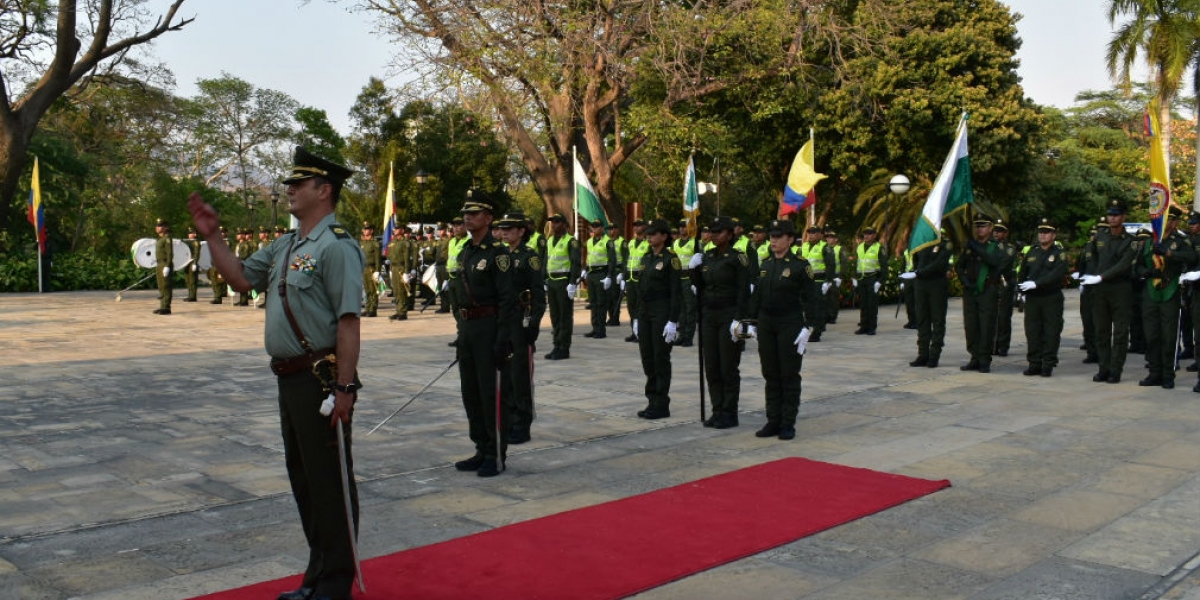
(869, 230)
(456, 221)
(721, 224)
(1046, 225)
(306, 165)
(478, 200)
(658, 226)
(558, 218)
(813, 229)
(1116, 207)
(280, 229)
(1174, 212)
(782, 227)
(1144, 233)
(368, 225)
(1000, 226)
(1194, 218)
(191, 230)
(596, 223)
(511, 220)
(639, 222)
(161, 223)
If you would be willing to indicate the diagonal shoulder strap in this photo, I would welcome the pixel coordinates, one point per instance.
(291, 318)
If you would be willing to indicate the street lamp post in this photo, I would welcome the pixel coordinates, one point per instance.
(899, 186)
(274, 209)
(250, 207)
(421, 177)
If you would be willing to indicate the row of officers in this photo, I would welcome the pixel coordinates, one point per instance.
(246, 245)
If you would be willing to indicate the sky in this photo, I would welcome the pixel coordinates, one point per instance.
(322, 54)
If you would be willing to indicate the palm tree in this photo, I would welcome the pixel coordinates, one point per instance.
(1167, 33)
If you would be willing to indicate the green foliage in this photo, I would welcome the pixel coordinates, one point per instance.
(18, 273)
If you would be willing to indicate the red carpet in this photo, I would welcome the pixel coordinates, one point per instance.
(623, 547)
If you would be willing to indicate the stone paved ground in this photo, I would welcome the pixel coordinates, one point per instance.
(140, 459)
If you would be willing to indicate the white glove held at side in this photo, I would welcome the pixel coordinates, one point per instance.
(734, 328)
(752, 332)
(635, 328)
(607, 281)
(853, 283)
(571, 291)
(1189, 276)
(671, 332)
(802, 340)
(1089, 280)
(166, 271)
(908, 275)
(697, 260)
(837, 281)
(825, 287)
(877, 286)
(1025, 286)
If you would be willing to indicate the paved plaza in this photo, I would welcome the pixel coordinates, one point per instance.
(140, 459)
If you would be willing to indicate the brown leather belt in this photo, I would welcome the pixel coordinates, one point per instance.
(478, 312)
(295, 364)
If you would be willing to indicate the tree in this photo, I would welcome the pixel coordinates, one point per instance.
(39, 63)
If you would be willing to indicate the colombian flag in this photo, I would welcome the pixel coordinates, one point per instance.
(802, 180)
(37, 213)
(1160, 174)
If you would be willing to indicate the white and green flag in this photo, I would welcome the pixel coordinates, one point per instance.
(587, 203)
(951, 192)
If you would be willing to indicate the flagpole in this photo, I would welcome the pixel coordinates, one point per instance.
(575, 191)
(34, 187)
(812, 208)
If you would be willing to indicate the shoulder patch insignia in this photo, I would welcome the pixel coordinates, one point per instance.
(504, 262)
(786, 273)
(535, 263)
(481, 265)
(339, 231)
(675, 262)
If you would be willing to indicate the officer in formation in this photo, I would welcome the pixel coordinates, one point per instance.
(450, 289)
(373, 256)
(191, 273)
(601, 271)
(1161, 265)
(164, 255)
(1042, 273)
(1137, 284)
(656, 322)
(930, 283)
(215, 279)
(1109, 268)
(685, 247)
(400, 261)
(722, 278)
(562, 271)
(528, 283)
(980, 268)
(1191, 304)
(485, 345)
(245, 248)
(1008, 288)
(319, 266)
(821, 259)
(833, 296)
(787, 304)
(1086, 314)
(616, 291)
(871, 271)
(636, 250)
(908, 294)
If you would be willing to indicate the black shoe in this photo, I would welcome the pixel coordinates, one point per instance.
(816, 337)
(453, 344)
(985, 368)
(303, 593)
(489, 468)
(403, 317)
(971, 366)
(1114, 379)
(1187, 353)
(1192, 368)
(910, 325)
(470, 464)
(688, 343)
(732, 417)
(189, 299)
(158, 311)
(711, 421)
(831, 320)
(631, 338)
(519, 436)
(215, 301)
(787, 432)
(870, 332)
(726, 421)
(933, 363)
(654, 413)
(1091, 360)
(859, 331)
(921, 361)
(768, 430)
(1002, 353)
(1100, 377)
(590, 334)
(1168, 385)
(1150, 381)
(1047, 371)
(599, 336)
(441, 311)
(613, 323)
(1032, 370)
(1196, 388)
(165, 311)
(1083, 346)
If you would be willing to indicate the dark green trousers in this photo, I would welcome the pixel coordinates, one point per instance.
(1111, 304)
(1161, 324)
(979, 323)
(400, 291)
(833, 299)
(1004, 312)
(910, 301)
(478, 375)
(562, 313)
(164, 288)
(372, 292)
(780, 367)
(1043, 328)
(1087, 315)
(689, 314)
(656, 355)
(868, 298)
(598, 298)
(191, 277)
(310, 451)
(930, 300)
(1137, 324)
(633, 299)
(722, 359)
(518, 385)
(614, 302)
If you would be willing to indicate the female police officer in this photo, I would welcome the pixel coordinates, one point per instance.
(657, 320)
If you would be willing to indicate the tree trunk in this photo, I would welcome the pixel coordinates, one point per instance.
(14, 144)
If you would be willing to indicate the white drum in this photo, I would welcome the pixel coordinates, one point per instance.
(143, 253)
(183, 254)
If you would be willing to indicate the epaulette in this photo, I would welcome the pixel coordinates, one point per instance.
(339, 231)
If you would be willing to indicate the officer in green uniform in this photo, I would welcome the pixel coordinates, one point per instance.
(1161, 264)
(615, 291)
(245, 248)
(214, 276)
(871, 270)
(1087, 315)
(722, 276)
(443, 257)
(931, 294)
(1191, 304)
(399, 258)
(1008, 289)
(164, 255)
(191, 273)
(833, 296)
(820, 257)
(485, 345)
(562, 271)
(371, 253)
(601, 270)
(1112, 257)
(1041, 275)
(528, 283)
(450, 290)
(317, 271)
(759, 243)
(685, 246)
(787, 303)
(636, 249)
(979, 269)
(656, 323)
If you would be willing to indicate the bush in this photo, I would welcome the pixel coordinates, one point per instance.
(70, 272)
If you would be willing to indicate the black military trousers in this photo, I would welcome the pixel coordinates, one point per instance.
(518, 385)
(1043, 328)
(656, 354)
(562, 312)
(780, 367)
(1161, 324)
(1111, 303)
(1004, 313)
(931, 300)
(310, 451)
(633, 299)
(486, 415)
(979, 323)
(722, 360)
(614, 302)
(689, 313)
(868, 298)
(598, 298)
(1087, 315)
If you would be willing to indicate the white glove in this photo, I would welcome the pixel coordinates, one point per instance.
(901, 286)
(622, 283)
(802, 340)
(908, 275)
(1089, 280)
(1025, 286)
(545, 287)
(878, 285)
(327, 406)
(752, 288)
(1020, 297)
(571, 291)
(752, 332)
(635, 328)
(734, 328)
(376, 277)
(166, 271)
(607, 281)
(671, 332)
(406, 278)
(1075, 275)
(1189, 276)
(697, 260)
(621, 280)
(825, 287)
(837, 281)
(853, 283)
(693, 290)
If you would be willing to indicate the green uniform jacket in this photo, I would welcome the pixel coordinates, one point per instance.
(527, 283)
(1163, 284)
(1111, 256)
(658, 282)
(786, 289)
(1046, 268)
(164, 253)
(371, 253)
(981, 264)
(932, 262)
(486, 280)
(724, 280)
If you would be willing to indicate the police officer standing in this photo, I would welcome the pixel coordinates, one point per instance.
(399, 258)
(214, 276)
(245, 248)
(979, 269)
(787, 303)
(1161, 264)
(656, 323)
(1087, 315)
(191, 273)
(164, 255)
(601, 263)
(833, 296)
(487, 306)
(636, 249)
(562, 271)
(1042, 272)
(820, 257)
(529, 285)
(615, 291)
(317, 270)
(931, 294)
(685, 247)
(871, 266)
(371, 253)
(722, 276)
(1111, 261)
(1008, 291)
